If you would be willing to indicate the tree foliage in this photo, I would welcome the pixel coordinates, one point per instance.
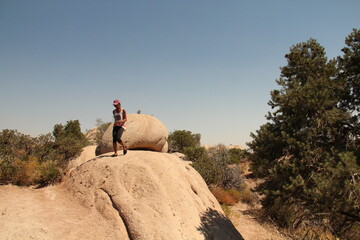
(69, 140)
(213, 164)
(307, 152)
(179, 140)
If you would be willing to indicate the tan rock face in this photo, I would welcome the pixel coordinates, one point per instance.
(150, 195)
(142, 132)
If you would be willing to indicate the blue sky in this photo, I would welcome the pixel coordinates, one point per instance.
(201, 65)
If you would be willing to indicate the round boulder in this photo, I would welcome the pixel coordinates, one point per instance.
(150, 195)
(142, 132)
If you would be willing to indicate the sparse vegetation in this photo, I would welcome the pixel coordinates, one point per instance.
(217, 165)
(237, 155)
(223, 196)
(25, 160)
(247, 196)
(226, 209)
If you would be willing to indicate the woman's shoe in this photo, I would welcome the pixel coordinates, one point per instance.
(125, 151)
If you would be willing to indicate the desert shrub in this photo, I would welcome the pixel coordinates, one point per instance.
(234, 193)
(219, 154)
(48, 173)
(179, 140)
(26, 161)
(237, 155)
(69, 140)
(233, 178)
(209, 169)
(15, 149)
(353, 232)
(230, 176)
(44, 148)
(15, 145)
(195, 153)
(213, 166)
(247, 196)
(213, 163)
(223, 196)
(226, 209)
(6, 171)
(25, 172)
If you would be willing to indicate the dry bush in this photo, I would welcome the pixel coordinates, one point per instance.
(226, 209)
(235, 194)
(313, 233)
(25, 171)
(232, 177)
(223, 196)
(49, 173)
(246, 196)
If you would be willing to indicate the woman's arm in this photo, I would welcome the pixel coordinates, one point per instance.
(124, 116)
(114, 115)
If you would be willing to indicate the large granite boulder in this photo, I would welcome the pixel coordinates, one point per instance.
(150, 195)
(142, 132)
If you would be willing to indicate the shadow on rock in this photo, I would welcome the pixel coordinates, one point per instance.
(215, 226)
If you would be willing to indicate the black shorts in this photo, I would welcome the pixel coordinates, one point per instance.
(117, 133)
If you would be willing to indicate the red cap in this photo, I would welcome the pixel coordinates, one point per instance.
(116, 102)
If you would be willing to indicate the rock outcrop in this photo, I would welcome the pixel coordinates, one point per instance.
(87, 153)
(142, 132)
(150, 195)
(91, 135)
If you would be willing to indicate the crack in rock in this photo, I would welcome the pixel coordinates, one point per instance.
(119, 212)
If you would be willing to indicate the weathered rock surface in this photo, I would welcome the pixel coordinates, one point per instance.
(142, 132)
(150, 195)
(87, 153)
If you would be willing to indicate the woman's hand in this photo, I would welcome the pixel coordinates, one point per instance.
(121, 122)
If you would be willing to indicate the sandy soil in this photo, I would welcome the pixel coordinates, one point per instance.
(47, 213)
(250, 227)
(246, 218)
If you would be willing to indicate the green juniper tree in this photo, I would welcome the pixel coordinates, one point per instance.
(307, 148)
(349, 72)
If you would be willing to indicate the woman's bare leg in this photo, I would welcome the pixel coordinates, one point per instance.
(115, 149)
(124, 147)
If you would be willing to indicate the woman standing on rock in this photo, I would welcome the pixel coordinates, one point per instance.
(119, 124)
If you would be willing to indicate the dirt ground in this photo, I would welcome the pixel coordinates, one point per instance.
(247, 218)
(250, 227)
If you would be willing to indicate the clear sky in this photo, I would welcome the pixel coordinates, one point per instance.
(206, 66)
